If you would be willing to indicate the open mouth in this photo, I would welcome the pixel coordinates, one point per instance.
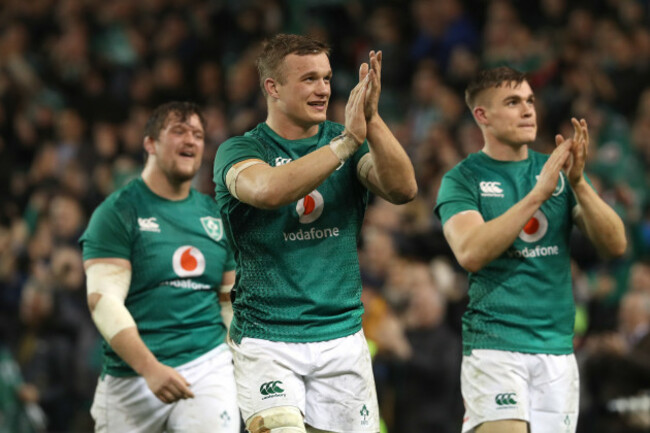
(317, 104)
(187, 154)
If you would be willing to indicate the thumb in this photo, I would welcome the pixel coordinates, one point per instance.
(558, 139)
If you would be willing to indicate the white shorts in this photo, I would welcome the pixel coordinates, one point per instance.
(540, 389)
(126, 404)
(331, 382)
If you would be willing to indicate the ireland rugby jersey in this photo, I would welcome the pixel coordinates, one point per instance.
(523, 300)
(178, 254)
(298, 274)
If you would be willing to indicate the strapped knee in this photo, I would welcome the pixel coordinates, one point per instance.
(282, 419)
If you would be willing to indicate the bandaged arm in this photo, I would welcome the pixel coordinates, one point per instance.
(108, 283)
(255, 182)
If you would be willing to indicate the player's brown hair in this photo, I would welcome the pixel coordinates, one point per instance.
(492, 78)
(270, 61)
(160, 116)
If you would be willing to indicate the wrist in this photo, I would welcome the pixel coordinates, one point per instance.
(578, 183)
(373, 120)
(344, 145)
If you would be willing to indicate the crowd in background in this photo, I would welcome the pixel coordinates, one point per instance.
(78, 79)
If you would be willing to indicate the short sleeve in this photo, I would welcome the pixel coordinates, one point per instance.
(455, 195)
(107, 236)
(231, 152)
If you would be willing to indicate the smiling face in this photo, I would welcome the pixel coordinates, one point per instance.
(302, 93)
(507, 114)
(178, 150)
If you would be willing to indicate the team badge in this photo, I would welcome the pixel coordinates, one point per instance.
(213, 227)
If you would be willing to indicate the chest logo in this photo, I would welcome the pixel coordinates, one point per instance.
(535, 228)
(491, 189)
(213, 227)
(310, 207)
(148, 225)
(188, 261)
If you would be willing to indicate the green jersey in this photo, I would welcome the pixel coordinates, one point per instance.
(178, 255)
(298, 276)
(523, 300)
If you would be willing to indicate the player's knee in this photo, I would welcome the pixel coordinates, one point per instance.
(282, 419)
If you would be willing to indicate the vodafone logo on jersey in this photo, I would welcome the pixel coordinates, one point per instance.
(535, 228)
(188, 261)
(310, 207)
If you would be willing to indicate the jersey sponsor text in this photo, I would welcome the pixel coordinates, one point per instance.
(187, 284)
(538, 251)
(313, 233)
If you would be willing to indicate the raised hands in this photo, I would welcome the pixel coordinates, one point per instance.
(579, 151)
(355, 121)
(548, 178)
(373, 73)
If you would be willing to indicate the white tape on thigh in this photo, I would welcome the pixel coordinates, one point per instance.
(233, 174)
(282, 419)
(112, 283)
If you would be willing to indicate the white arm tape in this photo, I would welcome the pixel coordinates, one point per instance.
(226, 306)
(226, 288)
(366, 163)
(112, 283)
(344, 146)
(233, 174)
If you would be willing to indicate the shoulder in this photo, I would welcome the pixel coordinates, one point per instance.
(464, 169)
(122, 199)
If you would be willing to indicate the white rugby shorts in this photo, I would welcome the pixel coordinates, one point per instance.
(540, 389)
(124, 404)
(331, 382)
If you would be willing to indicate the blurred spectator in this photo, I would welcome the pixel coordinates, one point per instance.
(618, 363)
(78, 80)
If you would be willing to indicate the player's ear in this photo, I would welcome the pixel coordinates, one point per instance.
(270, 85)
(480, 115)
(149, 145)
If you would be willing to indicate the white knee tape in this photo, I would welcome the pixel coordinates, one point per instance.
(282, 419)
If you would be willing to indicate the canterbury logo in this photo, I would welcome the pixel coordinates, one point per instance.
(271, 388)
(148, 225)
(505, 399)
(491, 189)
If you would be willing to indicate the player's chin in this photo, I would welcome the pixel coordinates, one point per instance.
(185, 173)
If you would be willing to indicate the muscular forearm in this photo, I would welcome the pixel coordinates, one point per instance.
(392, 176)
(130, 347)
(272, 187)
(599, 221)
(480, 244)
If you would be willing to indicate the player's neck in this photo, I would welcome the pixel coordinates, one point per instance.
(505, 151)
(288, 128)
(160, 184)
